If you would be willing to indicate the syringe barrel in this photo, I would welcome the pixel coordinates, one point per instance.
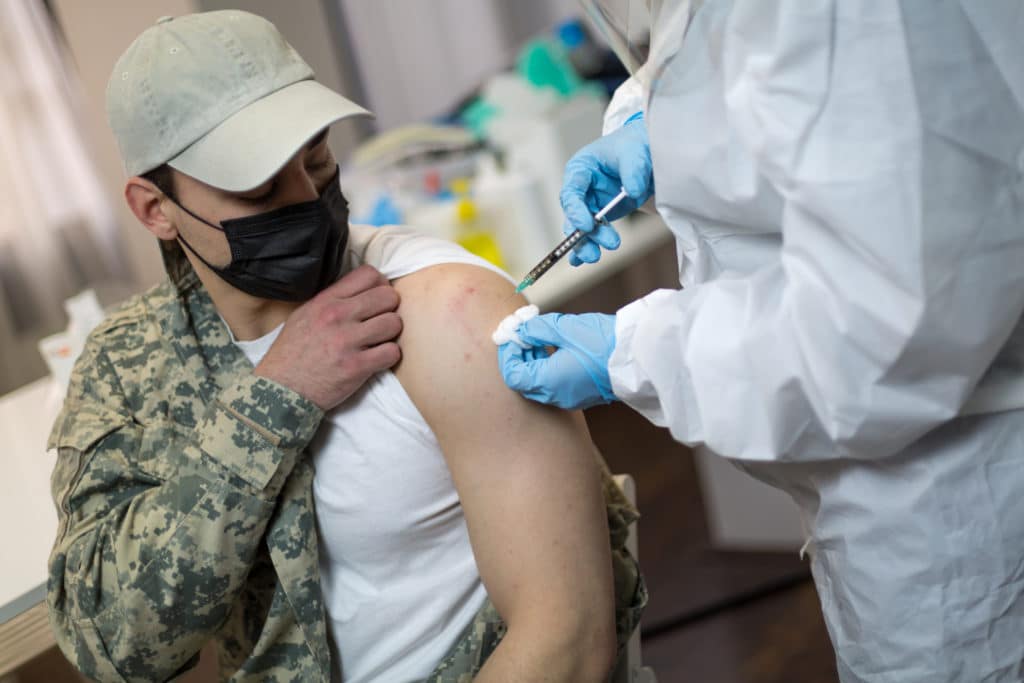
(556, 254)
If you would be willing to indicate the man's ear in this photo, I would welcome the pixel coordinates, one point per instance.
(148, 204)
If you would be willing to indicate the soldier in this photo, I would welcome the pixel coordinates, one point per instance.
(236, 461)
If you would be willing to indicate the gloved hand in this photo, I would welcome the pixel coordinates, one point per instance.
(574, 376)
(594, 176)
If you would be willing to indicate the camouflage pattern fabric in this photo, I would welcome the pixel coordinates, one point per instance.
(184, 492)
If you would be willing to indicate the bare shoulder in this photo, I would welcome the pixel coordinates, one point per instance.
(448, 314)
(457, 293)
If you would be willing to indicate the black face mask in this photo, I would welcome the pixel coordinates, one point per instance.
(288, 254)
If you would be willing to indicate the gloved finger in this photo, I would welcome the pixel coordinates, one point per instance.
(575, 186)
(535, 353)
(574, 260)
(637, 183)
(621, 210)
(513, 367)
(578, 177)
(587, 252)
(522, 375)
(606, 236)
(532, 347)
(636, 173)
(542, 331)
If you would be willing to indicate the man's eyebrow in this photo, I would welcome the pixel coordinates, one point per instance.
(316, 140)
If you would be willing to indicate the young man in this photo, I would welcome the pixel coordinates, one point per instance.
(218, 422)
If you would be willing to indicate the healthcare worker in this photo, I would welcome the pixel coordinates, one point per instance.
(844, 182)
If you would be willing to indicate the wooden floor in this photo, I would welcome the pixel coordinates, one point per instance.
(714, 617)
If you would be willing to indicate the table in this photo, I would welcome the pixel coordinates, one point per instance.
(29, 516)
(29, 520)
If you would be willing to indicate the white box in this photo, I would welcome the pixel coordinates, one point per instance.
(744, 513)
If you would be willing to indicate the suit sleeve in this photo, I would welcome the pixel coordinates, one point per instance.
(894, 142)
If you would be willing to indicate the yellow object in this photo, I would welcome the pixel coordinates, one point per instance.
(472, 236)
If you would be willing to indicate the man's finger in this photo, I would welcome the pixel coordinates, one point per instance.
(373, 302)
(382, 328)
(356, 281)
(380, 357)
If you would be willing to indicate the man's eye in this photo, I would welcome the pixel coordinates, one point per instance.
(321, 165)
(257, 199)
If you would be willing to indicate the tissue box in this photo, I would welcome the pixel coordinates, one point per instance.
(60, 353)
(61, 350)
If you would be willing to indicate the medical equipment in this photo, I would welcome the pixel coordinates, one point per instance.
(566, 245)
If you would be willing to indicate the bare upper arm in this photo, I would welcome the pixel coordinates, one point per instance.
(525, 473)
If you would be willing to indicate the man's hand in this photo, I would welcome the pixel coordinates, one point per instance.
(337, 340)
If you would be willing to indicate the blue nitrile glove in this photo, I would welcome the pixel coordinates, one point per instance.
(575, 376)
(595, 175)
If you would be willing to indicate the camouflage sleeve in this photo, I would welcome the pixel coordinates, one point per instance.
(159, 525)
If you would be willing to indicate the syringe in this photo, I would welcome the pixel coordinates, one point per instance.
(567, 244)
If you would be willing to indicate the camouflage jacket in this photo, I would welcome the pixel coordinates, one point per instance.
(184, 491)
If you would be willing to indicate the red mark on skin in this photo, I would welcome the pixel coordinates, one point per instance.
(457, 306)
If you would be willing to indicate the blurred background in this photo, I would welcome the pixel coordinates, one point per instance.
(478, 105)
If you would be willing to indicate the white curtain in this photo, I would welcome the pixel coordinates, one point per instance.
(57, 229)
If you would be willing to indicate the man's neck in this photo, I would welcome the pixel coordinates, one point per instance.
(247, 316)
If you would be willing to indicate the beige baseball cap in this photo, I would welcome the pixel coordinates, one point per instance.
(220, 96)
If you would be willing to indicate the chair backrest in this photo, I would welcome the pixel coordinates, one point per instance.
(630, 668)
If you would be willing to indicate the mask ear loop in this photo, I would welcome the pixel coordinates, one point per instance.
(198, 218)
(184, 242)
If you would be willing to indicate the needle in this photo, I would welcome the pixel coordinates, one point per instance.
(567, 244)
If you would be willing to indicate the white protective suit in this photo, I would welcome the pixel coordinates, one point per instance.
(844, 181)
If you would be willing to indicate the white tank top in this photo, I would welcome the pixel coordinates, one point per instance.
(398, 575)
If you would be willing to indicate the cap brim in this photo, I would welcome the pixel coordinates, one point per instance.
(249, 147)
